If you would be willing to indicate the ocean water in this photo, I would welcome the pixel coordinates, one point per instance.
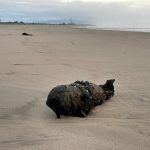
(119, 29)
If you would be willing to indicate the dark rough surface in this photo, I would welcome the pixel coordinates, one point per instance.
(27, 34)
(78, 98)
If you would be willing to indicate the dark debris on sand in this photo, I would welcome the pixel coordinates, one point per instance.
(78, 98)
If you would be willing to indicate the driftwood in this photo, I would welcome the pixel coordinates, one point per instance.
(78, 98)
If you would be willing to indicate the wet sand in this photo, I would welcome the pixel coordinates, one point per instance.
(31, 65)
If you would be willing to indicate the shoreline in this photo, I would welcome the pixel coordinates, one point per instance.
(144, 30)
(91, 27)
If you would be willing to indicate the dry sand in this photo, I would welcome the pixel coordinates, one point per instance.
(31, 65)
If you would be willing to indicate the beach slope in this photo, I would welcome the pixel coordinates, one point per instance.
(30, 66)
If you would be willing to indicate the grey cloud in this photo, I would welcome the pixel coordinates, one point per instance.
(116, 14)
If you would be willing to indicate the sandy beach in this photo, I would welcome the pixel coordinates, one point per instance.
(30, 66)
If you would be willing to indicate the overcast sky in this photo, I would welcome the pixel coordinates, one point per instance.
(103, 13)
